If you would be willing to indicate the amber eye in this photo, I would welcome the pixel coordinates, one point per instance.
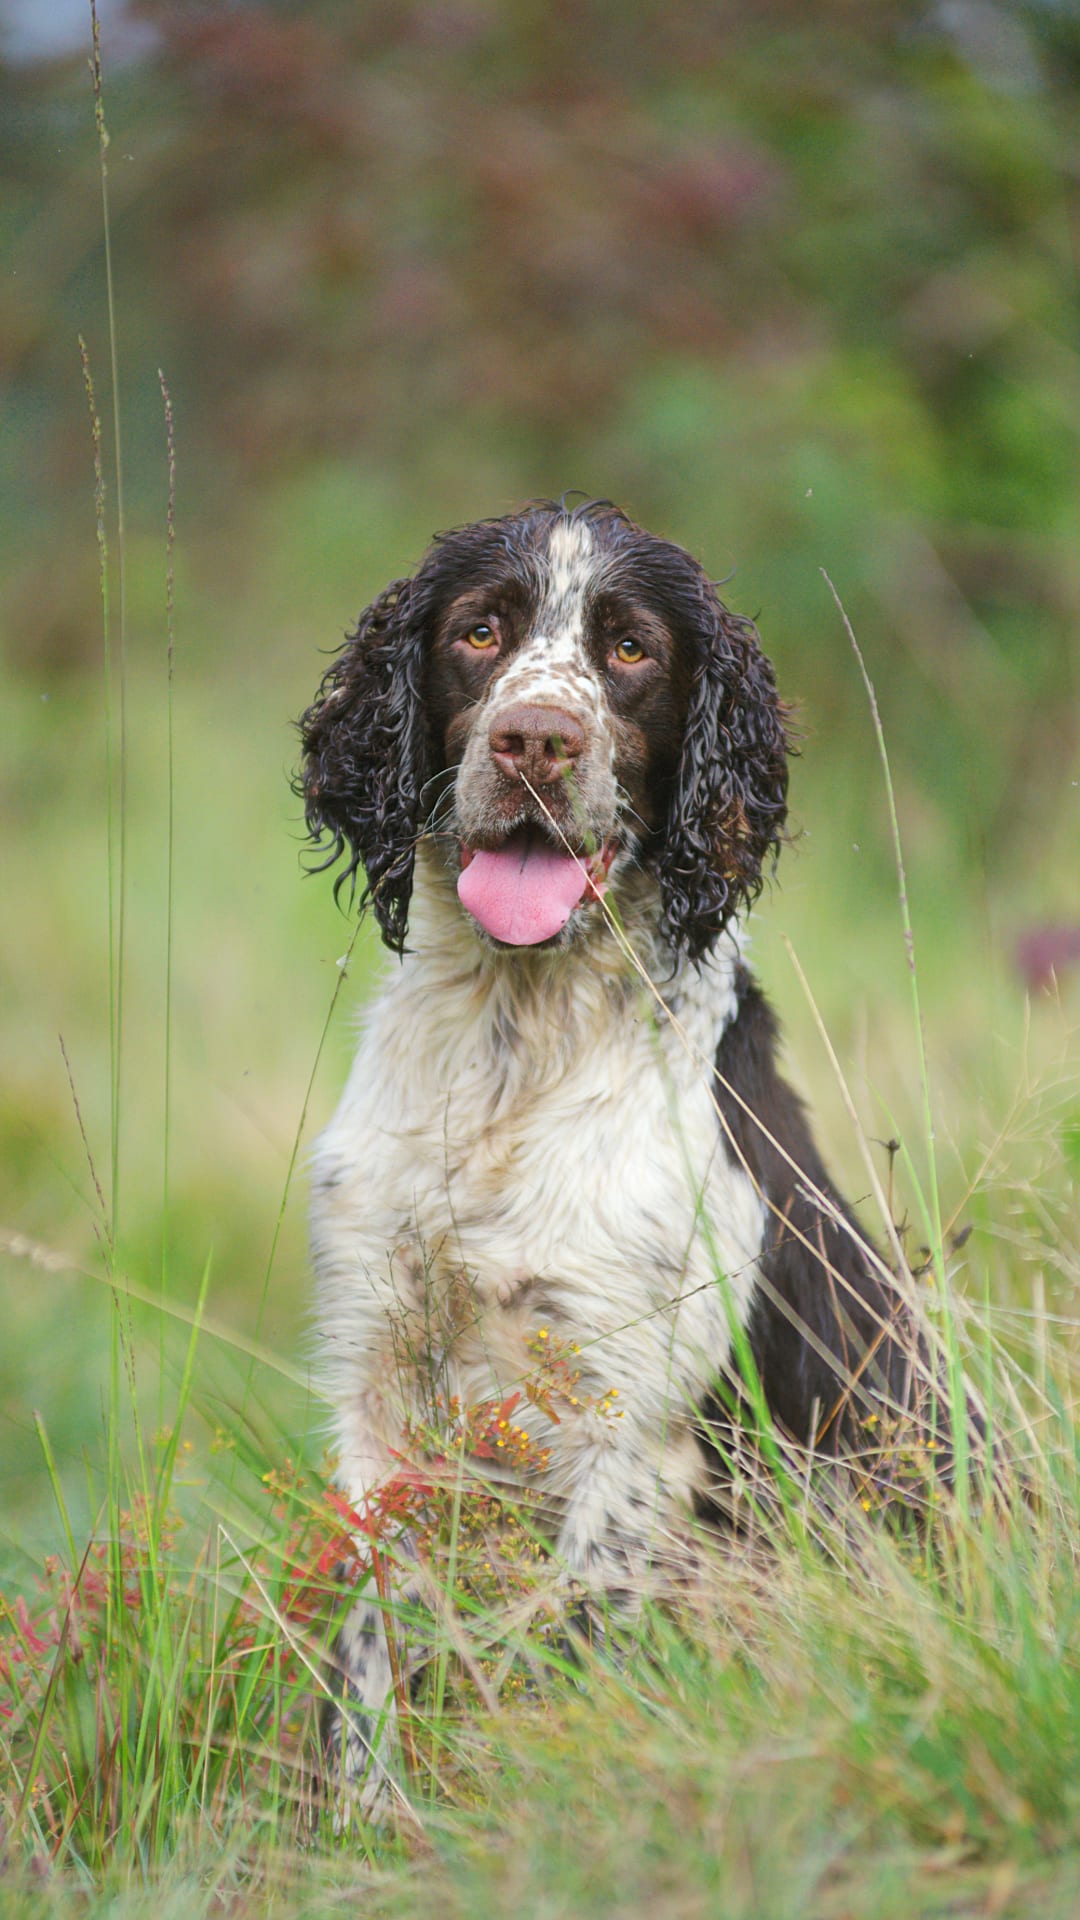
(629, 652)
(481, 637)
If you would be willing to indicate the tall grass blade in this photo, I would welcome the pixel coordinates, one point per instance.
(170, 838)
(343, 968)
(958, 1403)
(57, 1487)
(117, 1022)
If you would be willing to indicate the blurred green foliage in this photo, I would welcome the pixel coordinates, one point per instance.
(798, 288)
(796, 291)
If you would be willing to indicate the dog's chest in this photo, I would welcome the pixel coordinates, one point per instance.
(493, 1171)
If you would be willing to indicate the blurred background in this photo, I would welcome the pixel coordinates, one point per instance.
(797, 287)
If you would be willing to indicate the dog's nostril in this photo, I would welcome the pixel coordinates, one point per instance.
(511, 744)
(540, 742)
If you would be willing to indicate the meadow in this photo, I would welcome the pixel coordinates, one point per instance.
(839, 1717)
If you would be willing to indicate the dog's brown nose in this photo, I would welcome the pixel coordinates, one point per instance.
(538, 744)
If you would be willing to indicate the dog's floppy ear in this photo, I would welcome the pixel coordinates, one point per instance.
(365, 746)
(729, 798)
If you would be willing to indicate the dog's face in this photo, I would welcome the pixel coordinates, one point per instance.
(558, 700)
(552, 696)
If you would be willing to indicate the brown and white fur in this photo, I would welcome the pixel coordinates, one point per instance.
(530, 1136)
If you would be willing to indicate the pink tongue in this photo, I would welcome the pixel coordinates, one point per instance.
(524, 892)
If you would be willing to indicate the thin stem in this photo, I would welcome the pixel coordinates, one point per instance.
(117, 1024)
(936, 1250)
(343, 968)
(110, 783)
(957, 1392)
(170, 629)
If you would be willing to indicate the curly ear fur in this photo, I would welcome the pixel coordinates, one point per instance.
(729, 800)
(365, 747)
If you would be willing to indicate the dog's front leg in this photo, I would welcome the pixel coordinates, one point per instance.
(359, 1721)
(620, 1521)
(371, 1654)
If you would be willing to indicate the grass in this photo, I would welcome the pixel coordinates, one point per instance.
(873, 1726)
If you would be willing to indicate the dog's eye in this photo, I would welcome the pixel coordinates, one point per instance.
(629, 652)
(481, 637)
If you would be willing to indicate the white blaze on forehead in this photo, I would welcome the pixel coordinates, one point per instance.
(571, 559)
(553, 664)
(571, 569)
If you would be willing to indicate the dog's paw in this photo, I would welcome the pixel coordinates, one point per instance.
(358, 1786)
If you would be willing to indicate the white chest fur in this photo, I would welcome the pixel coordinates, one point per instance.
(524, 1146)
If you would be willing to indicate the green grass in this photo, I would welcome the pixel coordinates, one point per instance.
(872, 1726)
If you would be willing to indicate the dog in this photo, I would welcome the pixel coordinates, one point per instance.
(563, 766)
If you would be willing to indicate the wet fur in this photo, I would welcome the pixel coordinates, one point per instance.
(525, 1127)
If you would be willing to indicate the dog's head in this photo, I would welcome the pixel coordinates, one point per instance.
(553, 696)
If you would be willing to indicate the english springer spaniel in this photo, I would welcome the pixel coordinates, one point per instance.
(562, 763)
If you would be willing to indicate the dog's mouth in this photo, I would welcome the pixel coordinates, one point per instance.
(523, 891)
